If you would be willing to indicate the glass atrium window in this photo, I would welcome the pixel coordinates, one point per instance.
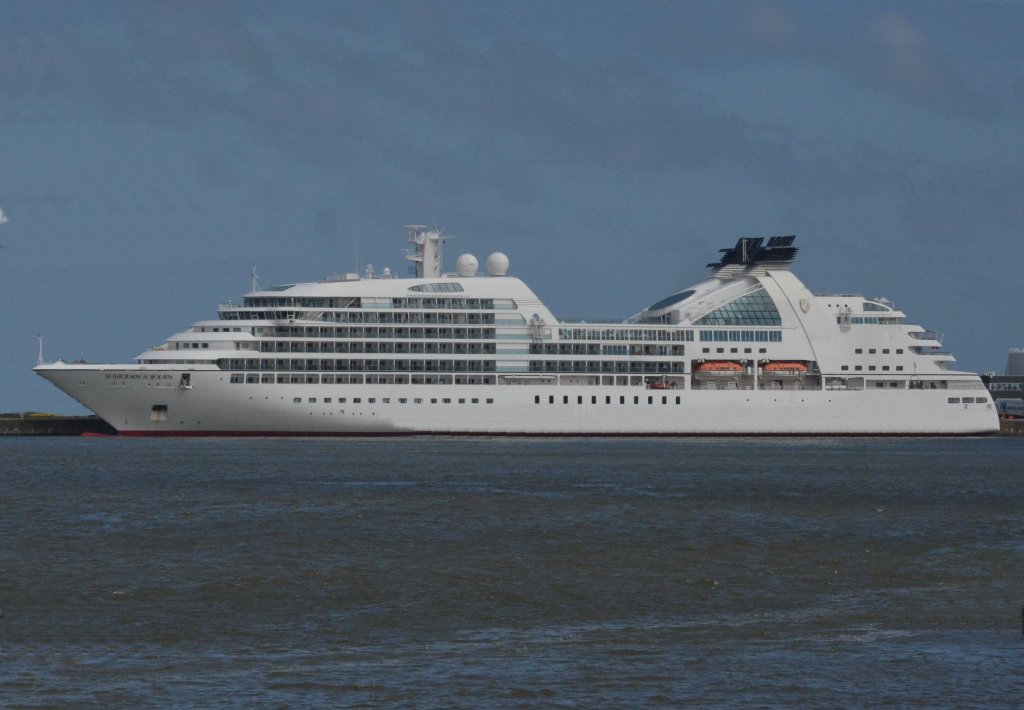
(755, 308)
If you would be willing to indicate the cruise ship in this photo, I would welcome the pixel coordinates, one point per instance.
(747, 351)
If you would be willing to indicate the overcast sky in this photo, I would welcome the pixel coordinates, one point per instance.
(152, 152)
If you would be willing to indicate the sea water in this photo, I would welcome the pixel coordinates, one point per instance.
(469, 572)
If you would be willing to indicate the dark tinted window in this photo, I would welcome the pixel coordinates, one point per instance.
(674, 298)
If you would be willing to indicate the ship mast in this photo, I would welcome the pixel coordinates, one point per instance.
(426, 251)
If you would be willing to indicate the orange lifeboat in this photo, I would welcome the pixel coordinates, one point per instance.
(720, 368)
(786, 368)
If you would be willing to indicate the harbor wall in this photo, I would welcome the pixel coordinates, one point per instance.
(35, 424)
(1011, 427)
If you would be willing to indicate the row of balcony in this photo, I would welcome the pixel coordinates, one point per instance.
(359, 365)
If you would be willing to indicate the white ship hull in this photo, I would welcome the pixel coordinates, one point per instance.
(125, 396)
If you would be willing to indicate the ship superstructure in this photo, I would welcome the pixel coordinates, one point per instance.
(747, 351)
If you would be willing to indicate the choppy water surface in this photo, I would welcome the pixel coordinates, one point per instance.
(518, 573)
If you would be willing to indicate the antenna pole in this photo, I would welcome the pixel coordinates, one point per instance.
(39, 358)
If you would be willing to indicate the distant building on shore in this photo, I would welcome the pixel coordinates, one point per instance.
(1008, 390)
(1015, 363)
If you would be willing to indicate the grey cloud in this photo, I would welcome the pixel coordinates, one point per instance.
(520, 100)
(895, 56)
(198, 32)
(379, 105)
(886, 52)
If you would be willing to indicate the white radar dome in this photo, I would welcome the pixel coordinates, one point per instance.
(466, 265)
(497, 264)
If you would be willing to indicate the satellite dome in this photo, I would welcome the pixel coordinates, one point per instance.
(497, 264)
(466, 265)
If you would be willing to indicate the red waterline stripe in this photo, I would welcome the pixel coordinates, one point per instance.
(555, 435)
